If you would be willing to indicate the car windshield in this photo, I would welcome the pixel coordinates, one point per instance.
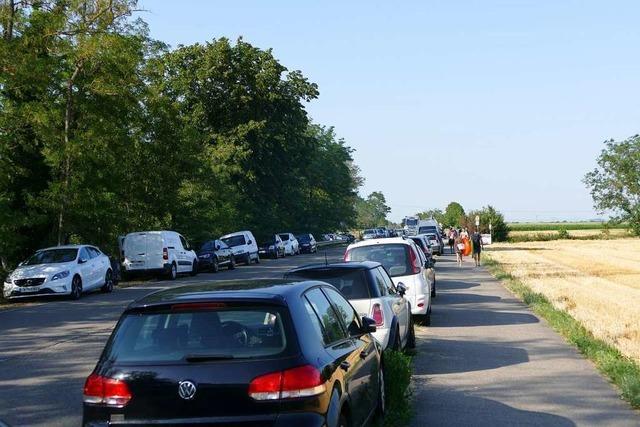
(208, 246)
(411, 222)
(394, 257)
(235, 332)
(351, 283)
(370, 231)
(284, 236)
(303, 238)
(234, 240)
(52, 256)
(268, 242)
(427, 229)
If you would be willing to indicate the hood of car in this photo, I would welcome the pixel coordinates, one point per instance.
(40, 270)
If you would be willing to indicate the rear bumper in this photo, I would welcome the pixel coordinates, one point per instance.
(165, 269)
(306, 249)
(300, 419)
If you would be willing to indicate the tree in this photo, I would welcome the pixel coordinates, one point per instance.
(372, 211)
(436, 214)
(453, 215)
(615, 182)
(488, 216)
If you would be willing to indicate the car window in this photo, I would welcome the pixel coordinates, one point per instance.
(235, 240)
(284, 236)
(222, 244)
(330, 321)
(391, 287)
(393, 256)
(315, 321)
(185, 243)
(351, 283)
(52, 256)
(173, 336)
(345, 310)
(208, 246)
(380, 283)
(93, 252)
(84, 254)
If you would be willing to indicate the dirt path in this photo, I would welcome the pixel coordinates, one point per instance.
(487, 360)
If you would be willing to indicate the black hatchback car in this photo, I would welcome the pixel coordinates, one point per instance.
(215, 254)
(266, 353)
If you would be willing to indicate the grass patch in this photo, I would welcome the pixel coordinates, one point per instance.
(620, 370)
(397, 376)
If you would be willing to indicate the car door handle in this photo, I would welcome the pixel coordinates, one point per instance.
(364, 353)
(345, 365)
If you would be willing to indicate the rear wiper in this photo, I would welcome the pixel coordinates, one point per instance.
(207, 357)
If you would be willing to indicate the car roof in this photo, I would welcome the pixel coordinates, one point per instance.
(64, 247)
(350, 265)
(274, 290)
(385, 241)
(235, 233)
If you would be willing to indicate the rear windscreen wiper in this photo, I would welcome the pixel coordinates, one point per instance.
(207, 357)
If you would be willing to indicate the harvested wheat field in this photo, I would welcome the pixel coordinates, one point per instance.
(596, 281)
(614, 232)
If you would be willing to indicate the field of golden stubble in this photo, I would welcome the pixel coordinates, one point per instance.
(596, 281)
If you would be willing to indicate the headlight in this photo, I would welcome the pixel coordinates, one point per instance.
(60, 275)
(205, 256)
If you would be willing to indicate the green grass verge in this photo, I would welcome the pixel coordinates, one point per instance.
(397, 375)
(620, 370)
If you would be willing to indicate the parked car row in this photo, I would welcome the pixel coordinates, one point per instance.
(306, 350)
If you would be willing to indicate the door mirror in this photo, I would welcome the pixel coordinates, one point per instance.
(82, 261)
(402, 289)
(368, 325)
(217, 247)
(249, 242)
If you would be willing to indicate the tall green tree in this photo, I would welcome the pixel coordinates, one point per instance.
(615, 182)
(488, 216)
(436, 214)
(453, 215)
(372, 211)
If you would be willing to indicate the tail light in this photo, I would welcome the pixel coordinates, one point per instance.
(377, 314)
(304, 381)
(100, 390)
(414, 261)
(165, 254)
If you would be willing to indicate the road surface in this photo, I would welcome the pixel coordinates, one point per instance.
(488, 361)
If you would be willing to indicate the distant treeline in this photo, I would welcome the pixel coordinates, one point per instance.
(104, 131)
(555, 226)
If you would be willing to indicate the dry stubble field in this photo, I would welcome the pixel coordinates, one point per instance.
(596, 281)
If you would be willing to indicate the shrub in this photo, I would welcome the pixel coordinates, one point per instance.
(397, 375)
(563, 233)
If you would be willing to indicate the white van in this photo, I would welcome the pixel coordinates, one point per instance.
(244, 246)
(161, 252)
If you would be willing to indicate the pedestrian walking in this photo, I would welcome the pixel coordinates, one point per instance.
(459, 247)
(452, 239)
(476, 239)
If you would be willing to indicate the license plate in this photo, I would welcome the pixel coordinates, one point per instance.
(30, 289)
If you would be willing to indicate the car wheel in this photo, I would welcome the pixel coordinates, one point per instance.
(397, 344)
(215, 267)
(248, 260)
(76, 288)
(382, 397)
(275, 255)
(108, 282)
(411, 335)
(173, 272)
(194, 268)
(232, 263)
(258, 259)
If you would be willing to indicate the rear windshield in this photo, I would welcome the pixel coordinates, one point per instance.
(394, 257)
(209, 246)
(427, 229)
(284, 236)
(237, 333)
(141, 243)
(351, 283)
(52, 256)
(234, 240)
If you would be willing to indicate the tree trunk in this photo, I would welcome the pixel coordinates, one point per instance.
(8, 29)
(66, 169)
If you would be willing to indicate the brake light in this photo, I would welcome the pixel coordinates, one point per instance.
(165, 254)
(414, 261)
(101, 390)
(304, 381)
(192, 306)
(377, 314)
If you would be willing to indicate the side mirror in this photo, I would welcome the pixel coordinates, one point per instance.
(402, 289)
(217, 247)
(368, 325)
(82, 261)
(249, 242)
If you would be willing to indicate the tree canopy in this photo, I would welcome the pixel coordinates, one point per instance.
(453, 215)
(372, 211)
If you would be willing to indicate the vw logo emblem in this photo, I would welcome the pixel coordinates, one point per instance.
(186, 390)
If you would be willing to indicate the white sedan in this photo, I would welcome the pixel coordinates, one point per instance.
(291, 244)
(61, 270)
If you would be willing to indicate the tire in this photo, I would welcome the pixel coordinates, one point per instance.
(76, 288)
(232, 263)
(216, 266)
(433, 291)
(397, 344)
(258, 259)
(275, 255)
(248, 260)
(411, 335)
(108, 282)
(194, 268)
(173, 272)
(381, 407)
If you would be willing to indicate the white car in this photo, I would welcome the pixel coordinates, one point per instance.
(244, 246)
(62, 270)
(406, 265)
(372, 293)
(165, 253)
(291, 245)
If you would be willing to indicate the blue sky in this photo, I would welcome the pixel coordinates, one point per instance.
(483, 102)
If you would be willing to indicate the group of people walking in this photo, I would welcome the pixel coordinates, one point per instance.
(462, 244)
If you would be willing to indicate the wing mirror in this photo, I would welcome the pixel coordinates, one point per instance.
(249, 242)
(368, 325)
(217, 247)
(402, 289)
(82, 261)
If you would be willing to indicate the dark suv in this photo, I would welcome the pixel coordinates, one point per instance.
(215, 254)
(259, 353)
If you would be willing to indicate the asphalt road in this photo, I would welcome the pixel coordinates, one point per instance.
(487, 360)
(48, 349)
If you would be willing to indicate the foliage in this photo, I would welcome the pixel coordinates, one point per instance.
(104, 131)
(621, 370)
(397, 371)
(453, 215)
(436, 214)
(372, 211)
(488, 215)
(615, 183)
